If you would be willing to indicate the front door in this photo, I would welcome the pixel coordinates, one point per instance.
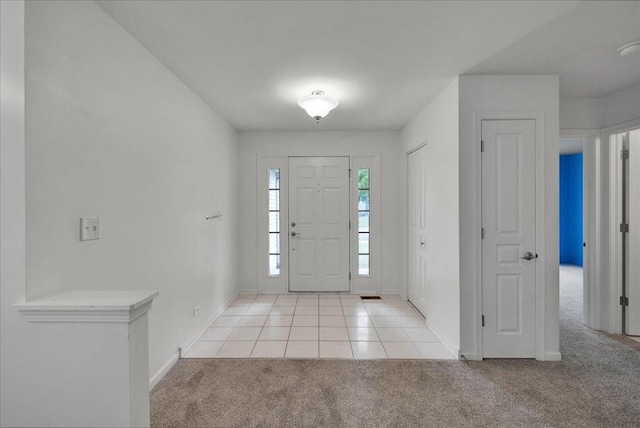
(509, 238)
(319, 224)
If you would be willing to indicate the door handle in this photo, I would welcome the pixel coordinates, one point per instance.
(529, 256)
(295, 233)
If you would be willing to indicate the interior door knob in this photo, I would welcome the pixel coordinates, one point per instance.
(294, 234)
(529, 256)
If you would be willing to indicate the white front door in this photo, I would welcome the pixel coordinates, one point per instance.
(508, 246)
(319, 224)
(417, 228)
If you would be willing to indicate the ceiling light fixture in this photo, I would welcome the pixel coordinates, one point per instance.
(629, 48)
(317, 105)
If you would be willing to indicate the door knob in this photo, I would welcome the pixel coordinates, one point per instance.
(529, 256)
(294, 234)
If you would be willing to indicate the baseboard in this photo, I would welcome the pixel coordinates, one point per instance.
(394, 293)
(163, 370)
(248, 291)
(468, 356)
(189, 343)
(552, 356)
(454, 351)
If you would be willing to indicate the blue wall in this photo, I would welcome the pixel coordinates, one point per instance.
(571, 209)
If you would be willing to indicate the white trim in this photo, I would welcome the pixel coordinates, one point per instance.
(615, 218)
(182, 350)
(538, 117)
(552, 356)
(157, 376)
(455, 352)
(89, 306)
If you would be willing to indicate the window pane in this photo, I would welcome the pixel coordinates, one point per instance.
(274, 222)
(363, 221)
(274, 243)
(274, 265)
(363, 178)
(274, 178)
(363, 265)
(363, 200)
(363, 243)
(274, 200)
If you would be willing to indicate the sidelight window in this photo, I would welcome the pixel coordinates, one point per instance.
(274, 222)
(364, 222)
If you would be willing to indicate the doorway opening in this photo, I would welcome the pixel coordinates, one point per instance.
(573, 224)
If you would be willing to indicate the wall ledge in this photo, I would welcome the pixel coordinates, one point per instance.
(89, 306)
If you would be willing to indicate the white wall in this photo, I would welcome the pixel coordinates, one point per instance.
(386, 144)
(437, 124)
(112, 133)
(622, 106)
(13, 329)
(507, 94)
(581, 113)
(596, 113)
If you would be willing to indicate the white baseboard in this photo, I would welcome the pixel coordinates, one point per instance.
(163, 370)
(189, 343)
(393, 292)
(469, 356)
(454, 351)
(552, 356)
(248, 291)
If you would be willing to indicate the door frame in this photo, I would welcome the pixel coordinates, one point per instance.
(280, 284)
(540, 281)
(615, 217)
(592, 230)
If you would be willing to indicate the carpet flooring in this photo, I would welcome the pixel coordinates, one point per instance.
(596, 385)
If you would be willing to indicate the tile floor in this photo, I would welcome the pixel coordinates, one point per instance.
(319, 326)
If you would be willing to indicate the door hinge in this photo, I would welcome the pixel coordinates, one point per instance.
(483, 320)
(349, 172)
(349, 276)
(482, 145)
(624, 301)
(624, 228)
(624, 154)
(482, 233)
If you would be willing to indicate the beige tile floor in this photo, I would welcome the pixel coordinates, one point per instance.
(319, 326)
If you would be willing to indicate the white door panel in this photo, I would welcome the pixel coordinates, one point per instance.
(508, 220)
(418, 188)
(633, 237)
(319, 224)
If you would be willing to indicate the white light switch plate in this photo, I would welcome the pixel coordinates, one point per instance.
(89, 228)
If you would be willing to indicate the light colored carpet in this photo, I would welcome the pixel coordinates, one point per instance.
(596, 385)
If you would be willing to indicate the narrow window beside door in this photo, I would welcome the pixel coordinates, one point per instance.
(364, 220)
(274, 222)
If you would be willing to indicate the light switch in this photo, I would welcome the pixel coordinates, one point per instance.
(89, 228)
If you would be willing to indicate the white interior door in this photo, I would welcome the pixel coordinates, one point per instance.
(417, 228)
(633, 236)
(319, 224)
(508, 245)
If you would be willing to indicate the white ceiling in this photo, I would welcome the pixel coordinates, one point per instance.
(384, 61)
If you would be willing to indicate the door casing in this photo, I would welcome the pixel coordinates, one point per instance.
(541, 313)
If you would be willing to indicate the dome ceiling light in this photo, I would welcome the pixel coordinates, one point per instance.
(629, 48)
(317, 105)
